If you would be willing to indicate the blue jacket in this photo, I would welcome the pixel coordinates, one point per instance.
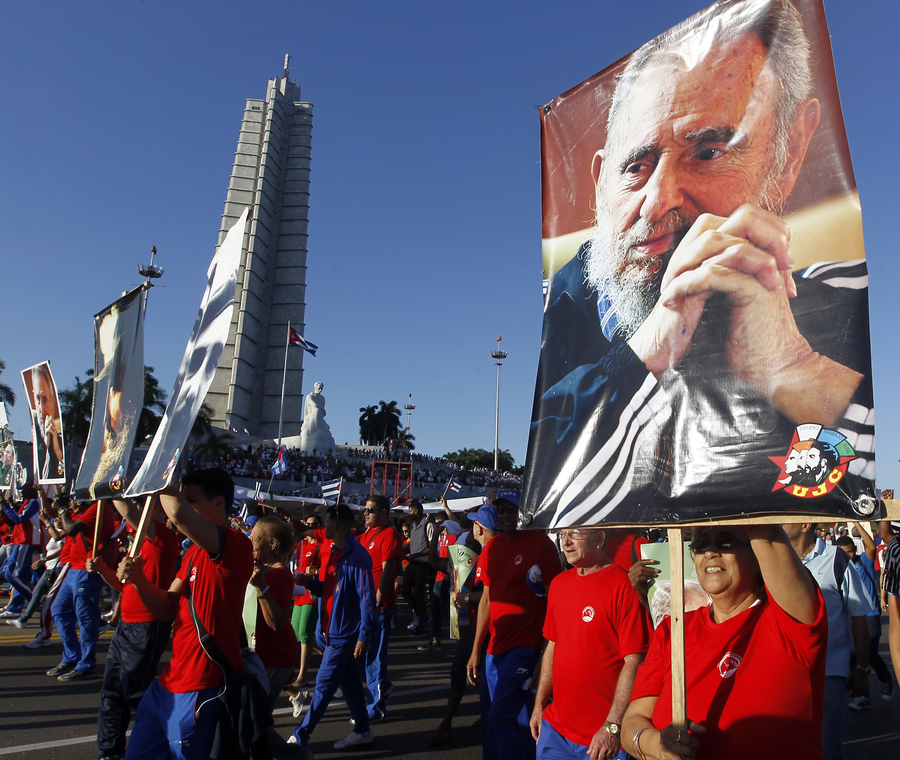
(353, 611)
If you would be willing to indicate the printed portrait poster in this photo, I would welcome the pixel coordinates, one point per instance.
(47, 440)
(198, 366)
(118, 398)
(8, 456)
(705, 349)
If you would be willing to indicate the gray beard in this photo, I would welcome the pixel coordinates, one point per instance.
(632, 287)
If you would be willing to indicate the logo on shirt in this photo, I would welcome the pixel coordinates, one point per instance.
(518, 560)
(728, 665)
(815, 463)
(193, 574)
(372, 545)
(587, 614)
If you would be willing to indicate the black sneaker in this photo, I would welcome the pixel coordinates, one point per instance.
(63, 667)
(418, 633)
(887, 689)
(77, 675)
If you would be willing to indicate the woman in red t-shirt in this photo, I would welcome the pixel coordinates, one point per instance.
(276, 644)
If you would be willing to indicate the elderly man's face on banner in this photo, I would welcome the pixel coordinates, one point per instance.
(694, 136)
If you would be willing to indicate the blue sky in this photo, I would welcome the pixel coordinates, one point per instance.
(119, 128)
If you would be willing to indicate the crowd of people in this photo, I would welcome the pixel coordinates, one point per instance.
(553, 629)
(354, 466)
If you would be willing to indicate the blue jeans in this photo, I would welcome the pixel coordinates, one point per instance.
(338, 669)
(376, 663)
(510, 705)
(167, 726)
(18, 573)
(78, 602)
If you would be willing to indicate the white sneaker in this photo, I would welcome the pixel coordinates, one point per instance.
(298, 700)
(355, 739)
(15, 622)
(37, 642)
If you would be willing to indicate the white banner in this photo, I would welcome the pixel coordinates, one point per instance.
(197, 367)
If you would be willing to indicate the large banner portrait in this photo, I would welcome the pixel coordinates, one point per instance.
(118, 398)
(8, 458)
(705, 349)
(46, 424)
(198, 366)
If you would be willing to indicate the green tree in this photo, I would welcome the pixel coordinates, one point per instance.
(154, 407)
(406, 440)
(77, 404)
(368, 425)
(388, 420)
(472, 458)
(203, 423)
(216, 445)
(6, 393)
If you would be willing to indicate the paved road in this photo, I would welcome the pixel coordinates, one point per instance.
(43, 718)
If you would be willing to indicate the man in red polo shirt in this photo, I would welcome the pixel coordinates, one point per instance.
(141, 637)
(177, 715)
(383, 543)
(516, 567)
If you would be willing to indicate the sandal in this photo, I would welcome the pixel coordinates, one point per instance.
(441, 736)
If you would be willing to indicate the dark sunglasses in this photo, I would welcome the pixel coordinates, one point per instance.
(510, 510)
(724, 542)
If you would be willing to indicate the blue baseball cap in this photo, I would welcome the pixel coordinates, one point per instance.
(508, 494)
(486, 517)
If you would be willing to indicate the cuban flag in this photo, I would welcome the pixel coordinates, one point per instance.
(453, 486)
(296, 339)
(331, 491)
(280, 466)
(243, 512)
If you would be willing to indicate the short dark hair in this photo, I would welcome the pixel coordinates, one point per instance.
(417, 505)
(380, 502)
(845, 541)
(275, 527)
(213, 482)
(343, 514)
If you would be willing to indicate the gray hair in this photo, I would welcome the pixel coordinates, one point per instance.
(778, 26)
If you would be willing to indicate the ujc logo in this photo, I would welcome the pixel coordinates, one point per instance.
(518, 560)
(193, 573)
(728, 665)
(587, 614)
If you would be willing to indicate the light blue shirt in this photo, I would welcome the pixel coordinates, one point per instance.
(845, 597)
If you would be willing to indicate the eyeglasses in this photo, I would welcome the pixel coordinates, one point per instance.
(510, 510)
(575, 534)
(724, 542)
(368, 511)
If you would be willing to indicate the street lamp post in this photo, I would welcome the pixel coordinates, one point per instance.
(498, 355)
(409, 406)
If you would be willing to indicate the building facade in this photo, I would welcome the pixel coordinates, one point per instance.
(271, 175)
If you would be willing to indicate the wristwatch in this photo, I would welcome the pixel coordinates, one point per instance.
(613, 728)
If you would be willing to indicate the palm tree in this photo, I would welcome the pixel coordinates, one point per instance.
(368, 425)
(77, 404)
(154, 406)
(388, 420)
(6, 393)
(203, 423)
(405, 440)
(216, 445)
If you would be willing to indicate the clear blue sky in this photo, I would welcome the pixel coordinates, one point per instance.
(119, 126)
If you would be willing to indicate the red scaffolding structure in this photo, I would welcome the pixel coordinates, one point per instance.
(393, 480)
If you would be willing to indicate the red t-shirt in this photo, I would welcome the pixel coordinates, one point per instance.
(517, 613)
(277, 649)
(326, 575)
(623, 548)
(758, 677)
(160, 556)
(383, 543)
(306, 554)
(83, 543)
(66, 550)
(594, 621)
(218, 591)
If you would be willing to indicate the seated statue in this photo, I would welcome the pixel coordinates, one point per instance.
(315, 433)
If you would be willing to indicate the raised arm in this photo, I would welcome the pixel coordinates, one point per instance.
(202, 532)
(129, 510)
(787, 581)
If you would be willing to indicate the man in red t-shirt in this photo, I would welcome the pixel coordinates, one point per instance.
(177, 715)
(516, 568)
(383, 543)
(597, 634)
(77, 604)
(140, 637)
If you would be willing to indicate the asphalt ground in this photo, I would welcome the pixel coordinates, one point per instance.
(41, 717)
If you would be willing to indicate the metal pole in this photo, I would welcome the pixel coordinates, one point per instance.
(498, 355)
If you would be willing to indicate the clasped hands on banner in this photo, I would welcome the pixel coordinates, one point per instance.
(747, 258)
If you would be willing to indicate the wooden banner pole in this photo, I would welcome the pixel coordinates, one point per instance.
(679, 684)
(142, 527)
(98, 521)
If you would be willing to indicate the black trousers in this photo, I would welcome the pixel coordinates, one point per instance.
(131, 664)
(415, 578)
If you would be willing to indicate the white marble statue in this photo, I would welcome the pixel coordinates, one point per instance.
(315, 433)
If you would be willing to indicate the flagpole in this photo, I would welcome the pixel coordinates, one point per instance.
(287, 344)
